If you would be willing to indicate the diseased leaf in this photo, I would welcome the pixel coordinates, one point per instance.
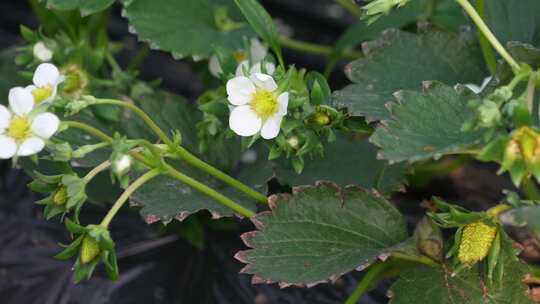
(425, 125)
(514, 20)
(86, 7)
(319, 233)
(436, 285)
(184, 27)
(401, 60)
(345, 162)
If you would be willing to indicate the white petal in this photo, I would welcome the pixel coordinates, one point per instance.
(31, 146)
(474, 88)
(257, 50)
(270, 128)
(240, 90)
(5, 117)
(214, 66)
(242, 68)
(264, 81)
(257, 68)
(8, 147)
(244, 122)
(21, 101)
(46, 74)
(45, 125)
(283, 101)
(485, 82)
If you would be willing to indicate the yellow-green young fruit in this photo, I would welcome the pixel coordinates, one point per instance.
(476, 240)
(75, 83)
(321, 119)
(60, 196)
(89, 250)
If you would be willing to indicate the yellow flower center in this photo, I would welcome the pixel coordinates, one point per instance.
(240, 56)
(42, 93)
(19, 128)
(264, 103)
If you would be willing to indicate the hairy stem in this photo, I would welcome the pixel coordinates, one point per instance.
(220, 198)
(126, 194)
(469, 9)
(487, 51)
(100, 168)
(373, 272)
(314, 48)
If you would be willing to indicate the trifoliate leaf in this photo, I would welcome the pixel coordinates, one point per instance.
(86, 7)
(425, 125)
(185, 27)
(437, 285)
(319, 233)
(402, 60)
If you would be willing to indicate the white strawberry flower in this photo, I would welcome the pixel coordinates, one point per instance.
(22, 132)
(257, 105)
(46, 79)
(42, 52)
(257, 52)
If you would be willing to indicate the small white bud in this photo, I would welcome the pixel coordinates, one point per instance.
(122, 165)
(42, 53)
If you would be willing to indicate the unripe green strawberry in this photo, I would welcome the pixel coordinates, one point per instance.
(476, 240)
(89, 250)
(60, 196)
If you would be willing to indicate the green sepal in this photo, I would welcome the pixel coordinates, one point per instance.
(319, 89)
(73, 227)
(71, 250)
(84, 271)
(111, 264)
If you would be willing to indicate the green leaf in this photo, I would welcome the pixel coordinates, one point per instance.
(514, 20)
(319, 233)
(261, 22)
(164, 198)
(183, 27)
(87, 7)
(436, 285)
(425, 125)
(402, 60)
(345, 162)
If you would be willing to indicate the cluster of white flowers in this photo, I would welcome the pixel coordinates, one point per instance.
(25, 125)
(257, 106)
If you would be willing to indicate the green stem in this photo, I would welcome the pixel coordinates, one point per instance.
(417, 259)
(112, 62)
(220, 198)
(364, 284)
(313, 48)
(139, 57)
(89, 129)
(151, 124)
(487, 51)
(350, 7)
(173, 172)
(196, 162)
(532, 100)
(101, 167)
(469, 9)
(186, 155)
(127, 193)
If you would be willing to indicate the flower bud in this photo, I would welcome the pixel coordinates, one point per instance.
(42, 52)
(89, 250)
(293, 142)
(122, 165)
(60, 196)
(76, 81)
(476, 240)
